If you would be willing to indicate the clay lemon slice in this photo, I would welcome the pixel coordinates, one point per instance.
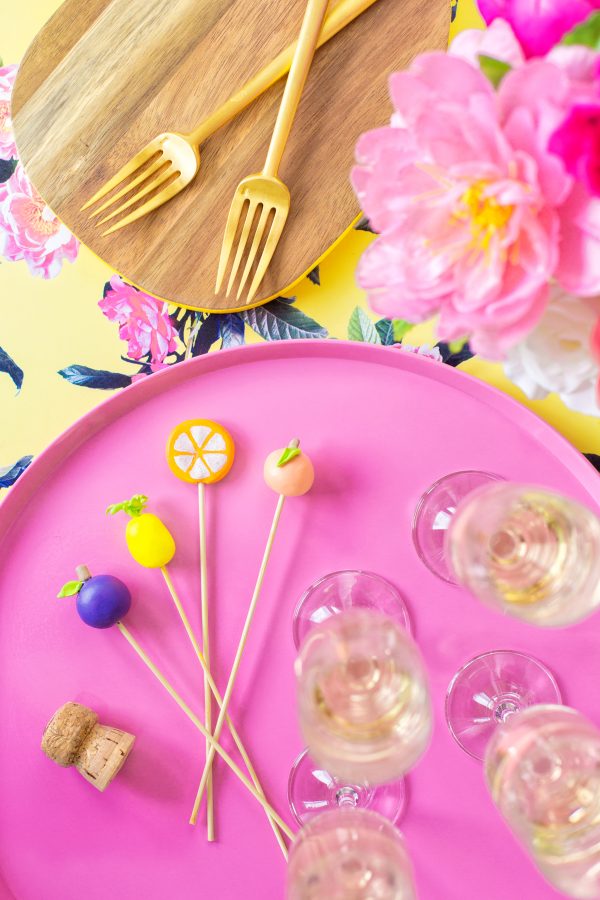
(200, 450)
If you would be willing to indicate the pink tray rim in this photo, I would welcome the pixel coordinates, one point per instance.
(50, 459)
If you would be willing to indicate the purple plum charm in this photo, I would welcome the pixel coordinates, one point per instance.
(102, 600)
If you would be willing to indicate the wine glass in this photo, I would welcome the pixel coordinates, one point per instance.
(349, 854)
(542, 768)
(526, 551)
(347, 589)
(313, 788)
(363, 698)
(488, 690)
(435, 511)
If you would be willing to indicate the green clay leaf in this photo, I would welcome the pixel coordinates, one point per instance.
(70, 589)
(133, 507)
(586, 34)
(288, 454)
(493, 69)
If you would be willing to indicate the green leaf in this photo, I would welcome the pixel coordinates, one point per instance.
(361, 328)
(133, 507)
(493, 69)
(586, 34)
(288, 454)
(401, 327)
(70, 589)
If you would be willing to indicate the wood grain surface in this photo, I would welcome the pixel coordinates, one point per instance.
(105, 76)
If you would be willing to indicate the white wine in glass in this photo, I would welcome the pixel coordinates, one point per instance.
(349, 854)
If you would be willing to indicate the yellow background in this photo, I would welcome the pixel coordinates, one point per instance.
(47, 325)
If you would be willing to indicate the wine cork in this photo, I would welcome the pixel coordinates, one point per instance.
(73, 737)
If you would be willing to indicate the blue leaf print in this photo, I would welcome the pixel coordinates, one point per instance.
(364, 225)
(454, 359)
(7, 167)
(280, 321)
(594, 459)
(315, 276)
(206, 335)
(9, 475)
(385, 330)
(232, 328)
(99, 379)
(9, 366)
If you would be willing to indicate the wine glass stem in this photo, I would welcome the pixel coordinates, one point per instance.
(347, 798)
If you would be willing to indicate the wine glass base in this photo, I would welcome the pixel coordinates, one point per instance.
(434, 513)
(489, 689)
(312, 790)
(344, 590)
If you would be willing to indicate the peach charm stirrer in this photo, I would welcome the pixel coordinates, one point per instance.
(289, 472)
(201, 452)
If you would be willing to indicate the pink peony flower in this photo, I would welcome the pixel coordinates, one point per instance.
(8, 148)
(577, 142)
(29, 229)
(538, 24)
(475, 214)
(144, 321)
(595, 340)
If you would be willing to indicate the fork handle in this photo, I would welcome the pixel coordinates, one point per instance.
(342, 14)
(301, 63)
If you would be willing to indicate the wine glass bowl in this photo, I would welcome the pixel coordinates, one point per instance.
(434, 513)
(527, 552)
(312, 790)
(363, 698)
(490, 689)
(343, 590)
(543, 771)
(349, 854)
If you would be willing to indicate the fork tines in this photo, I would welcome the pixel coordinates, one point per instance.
(254, 226)
(149, 170)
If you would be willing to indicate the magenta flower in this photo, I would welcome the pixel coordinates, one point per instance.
(29, 229)
(8, 148)
(538, 24)
(577, 142)
(144, 321)
(475, 214)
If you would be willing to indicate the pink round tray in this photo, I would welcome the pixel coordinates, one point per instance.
(380, 425)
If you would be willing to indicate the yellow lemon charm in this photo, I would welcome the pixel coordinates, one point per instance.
(148, 539)
(200, 451)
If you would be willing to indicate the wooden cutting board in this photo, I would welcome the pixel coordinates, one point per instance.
(105, 76)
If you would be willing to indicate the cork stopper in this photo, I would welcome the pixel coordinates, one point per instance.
(73, 737)
(83, 573)
(66, 731)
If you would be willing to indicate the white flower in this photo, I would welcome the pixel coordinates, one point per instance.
(424, 350)
(556, 356)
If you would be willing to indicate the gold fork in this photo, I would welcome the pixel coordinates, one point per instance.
(170, 161)
(265, 197)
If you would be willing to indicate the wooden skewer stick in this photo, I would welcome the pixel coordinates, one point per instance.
(238, 657)
(214, 746)
(210, 813)
(219, 700)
